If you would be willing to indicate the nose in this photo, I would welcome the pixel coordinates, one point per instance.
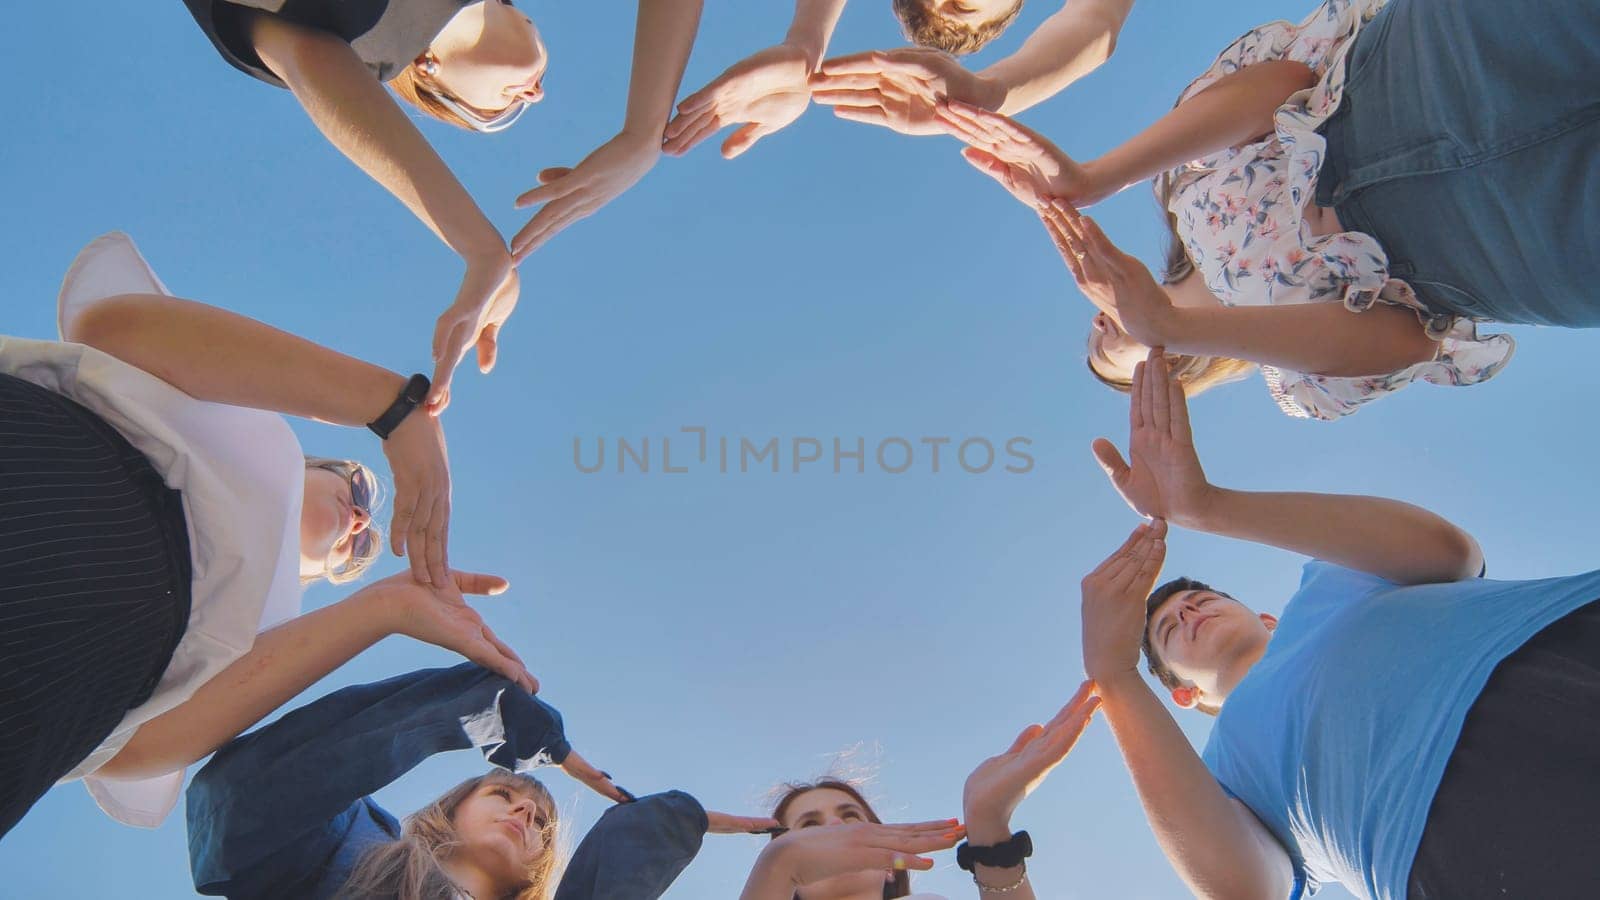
(531, 94)
(524, 809)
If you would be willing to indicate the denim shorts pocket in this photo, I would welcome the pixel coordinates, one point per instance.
(1444, 297)
(1368, 46)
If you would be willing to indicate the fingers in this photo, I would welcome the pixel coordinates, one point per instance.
(553, 188)
(1111, 461)
(488, 348)
(692, 132)
(521, 675)
(1121, 553)
(1156, 395)
(1136, 407)
(1025, 738)
(871, 115)
(723, 823)
(444, 372)
(865, 62)
(1079, 699)
(437, 538)
(698, 101)
(743, 139)
(546, 224)
(479, 584)
(1178, 405)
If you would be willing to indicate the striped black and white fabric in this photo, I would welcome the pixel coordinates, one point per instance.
(94, 586)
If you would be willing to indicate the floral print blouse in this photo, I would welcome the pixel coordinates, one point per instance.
(1240, 215)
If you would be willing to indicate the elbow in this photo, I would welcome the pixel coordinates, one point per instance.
(106, 325)
(1460, 557)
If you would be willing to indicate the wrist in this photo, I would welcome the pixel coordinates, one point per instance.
(992, 93)
(1103, 178)
(379, 608)
(986, 830)
(808, 47)
(1112, 685)
(484, 250)
(1203, 512)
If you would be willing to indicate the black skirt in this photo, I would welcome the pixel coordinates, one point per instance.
(1517, 813)
(94, 586)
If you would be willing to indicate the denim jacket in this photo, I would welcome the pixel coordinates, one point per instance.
(283, 811)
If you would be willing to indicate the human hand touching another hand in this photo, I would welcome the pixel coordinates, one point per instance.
(1113, 604)
(901, 89)
(1025, 162)
(765, 91)
(1115, 282)
(600, 782)
(999, 783)
(419, 528)
(724, 823)
(474, 320)
(570, 194)
(1163, 476)
(441, 616)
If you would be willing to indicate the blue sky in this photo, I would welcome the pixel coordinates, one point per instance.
(716, 632)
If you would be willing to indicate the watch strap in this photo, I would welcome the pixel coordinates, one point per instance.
(1003, 855)
(411, 396)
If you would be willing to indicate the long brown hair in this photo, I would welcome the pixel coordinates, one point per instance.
(409, 868)
(1197, 374)
(901, 885)
(409, 84)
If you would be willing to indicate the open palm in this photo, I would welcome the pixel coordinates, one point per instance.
(1162, 476)
(765, 91)
(999, 783)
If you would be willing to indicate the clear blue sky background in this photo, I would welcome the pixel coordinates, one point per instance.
(722, 633)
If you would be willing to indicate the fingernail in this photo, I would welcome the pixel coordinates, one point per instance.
(900, 863)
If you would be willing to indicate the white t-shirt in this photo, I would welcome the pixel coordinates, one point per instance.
(242, 477)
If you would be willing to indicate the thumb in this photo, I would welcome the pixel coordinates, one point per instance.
(1110, 460)
(551, 174)
(743, 139)
(439, 396)
(479, 583)
(488, 348)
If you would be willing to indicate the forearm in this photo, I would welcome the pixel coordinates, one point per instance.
(1203, 834)
(1069, 45)
(662, 40)
(283, 662)
(1317, 338)
(1395, 541)
(216, 355)
(360, 118)
(812, 28)
(768, 880)
(984, 831)
(1237, 108)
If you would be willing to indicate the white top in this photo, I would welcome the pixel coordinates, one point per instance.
(242, 477)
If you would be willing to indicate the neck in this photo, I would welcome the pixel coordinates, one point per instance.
(471, 881)
(1229, 677)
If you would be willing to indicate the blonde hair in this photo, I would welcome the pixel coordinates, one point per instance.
(926, 27)
(358, 565)
(409, 868)
(1197, 374)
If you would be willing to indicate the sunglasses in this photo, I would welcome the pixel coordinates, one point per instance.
(362, 491)
(476, 120)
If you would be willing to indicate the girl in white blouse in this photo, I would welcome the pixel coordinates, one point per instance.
(158, 514)
(1427, 165)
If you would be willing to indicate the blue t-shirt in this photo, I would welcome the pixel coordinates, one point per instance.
(1338, 737)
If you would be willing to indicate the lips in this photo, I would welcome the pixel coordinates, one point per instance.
(518, 827)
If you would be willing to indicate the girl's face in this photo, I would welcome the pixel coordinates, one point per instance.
(502, 832)
(828, 806)
(1111, 352)
(330, 522)
(503, 61)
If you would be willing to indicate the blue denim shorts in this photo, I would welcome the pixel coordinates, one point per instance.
(1468, 144)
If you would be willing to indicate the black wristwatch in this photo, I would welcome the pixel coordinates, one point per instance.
(411, 396)
(1000, 856)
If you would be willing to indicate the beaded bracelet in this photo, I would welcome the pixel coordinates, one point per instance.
(1002, 889)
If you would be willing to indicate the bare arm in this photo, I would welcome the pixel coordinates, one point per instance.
(1395, 541)
(662, 40)
(291, 657)
(812, 27)
(212, 354)
(1318, 338)
(1070, 44)
(359, 117)
(1237, 108)
(1218, 847)
(216, 355)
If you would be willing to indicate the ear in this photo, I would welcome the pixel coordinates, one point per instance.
(1269, 620)
(1186, 696)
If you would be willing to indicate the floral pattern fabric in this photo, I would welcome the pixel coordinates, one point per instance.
(1240, 214)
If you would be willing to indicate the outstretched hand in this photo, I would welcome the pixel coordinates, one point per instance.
(600, 782)
(1162, 476)
(806, 855)
(724, 823)
(1115, 282)
(1113, 603)
(473, 321)
(1000, 783)
(900, 89)
(1025, 162)
(570, 194)
(766, 91)
(419, 529)
(441, 616)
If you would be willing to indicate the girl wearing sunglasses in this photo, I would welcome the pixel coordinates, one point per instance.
(476, 65)
(160, 515)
